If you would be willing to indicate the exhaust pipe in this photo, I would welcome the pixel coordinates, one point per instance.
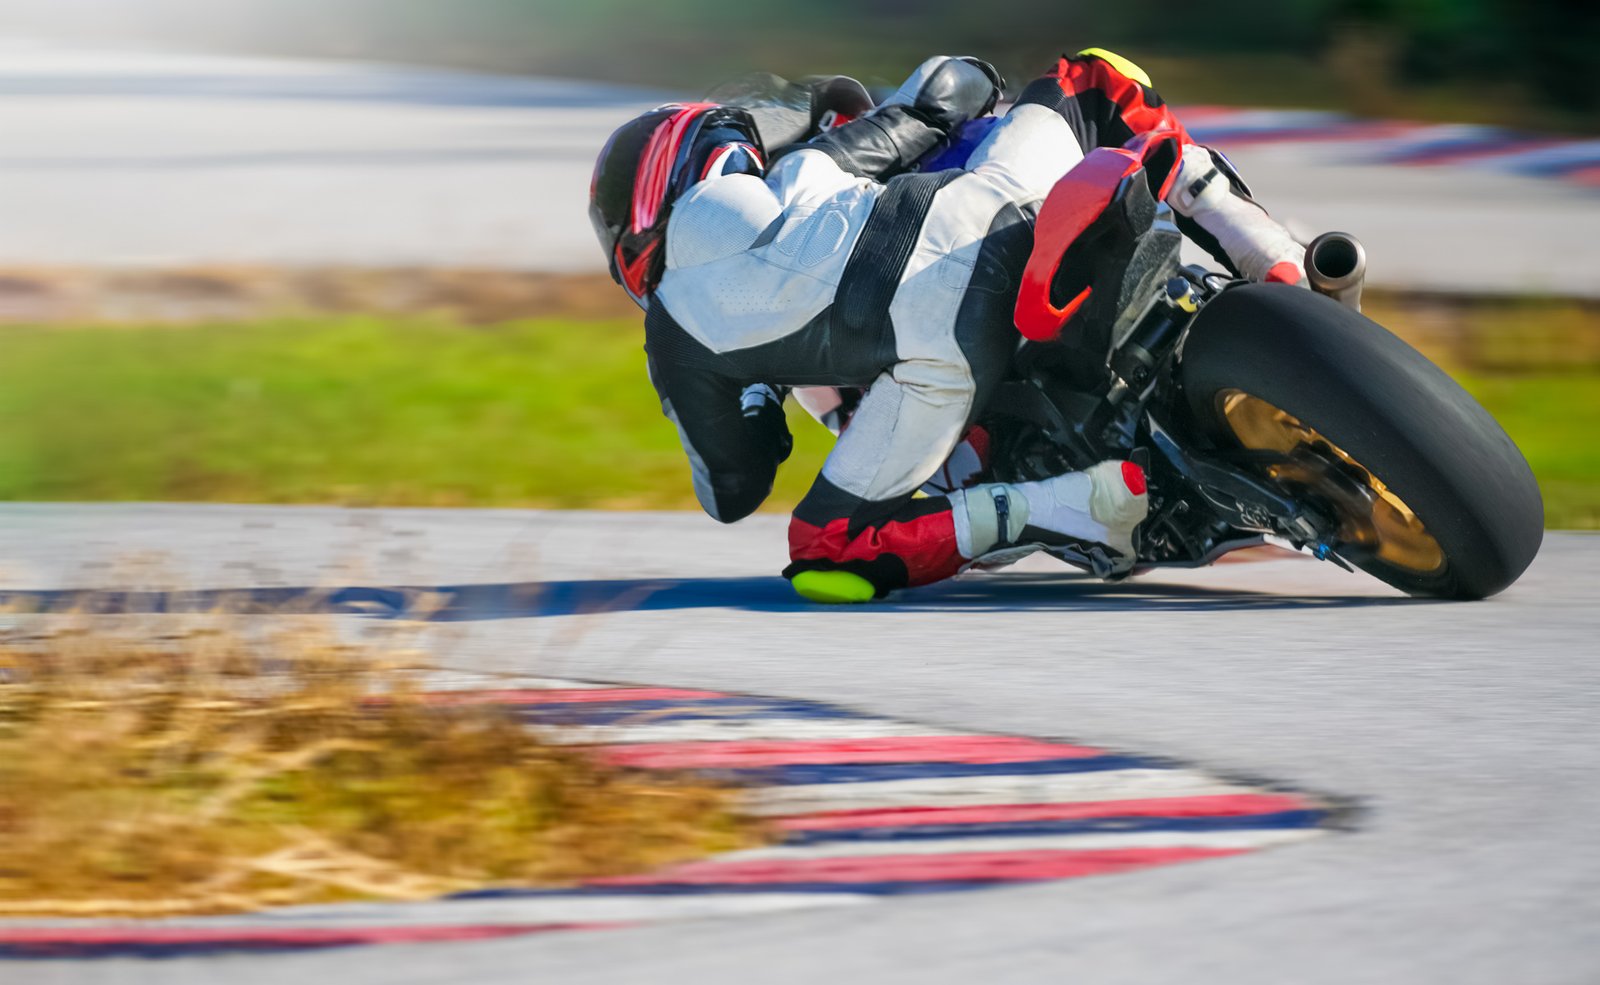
(1336, 265)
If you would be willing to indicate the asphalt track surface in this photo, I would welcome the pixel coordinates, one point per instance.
(1464, 732)
(159, 159)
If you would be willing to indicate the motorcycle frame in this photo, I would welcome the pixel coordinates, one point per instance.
(1204, 504)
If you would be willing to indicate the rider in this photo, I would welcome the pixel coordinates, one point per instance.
(836, 265)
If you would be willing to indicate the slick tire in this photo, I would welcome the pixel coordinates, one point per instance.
(1386, 406)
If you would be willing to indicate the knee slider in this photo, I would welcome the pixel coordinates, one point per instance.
(833, 587)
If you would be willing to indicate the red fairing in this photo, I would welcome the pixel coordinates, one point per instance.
(927, 544)
(1072, 206)
(1135, 116)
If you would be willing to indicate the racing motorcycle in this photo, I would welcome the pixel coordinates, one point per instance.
(1261, 412)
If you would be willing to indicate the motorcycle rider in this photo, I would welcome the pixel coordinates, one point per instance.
(837, 265)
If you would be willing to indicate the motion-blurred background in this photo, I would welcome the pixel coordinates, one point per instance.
(1476, 59)
(335, 250)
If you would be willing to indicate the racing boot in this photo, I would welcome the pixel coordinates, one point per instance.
(1092, 514)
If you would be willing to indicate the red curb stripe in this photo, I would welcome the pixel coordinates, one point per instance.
(269, 936)
(951, 867)
(1585, 176)
(893, 749)
(556, 696)
(1230, 805)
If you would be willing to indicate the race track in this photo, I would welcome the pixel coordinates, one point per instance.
(1464, 733)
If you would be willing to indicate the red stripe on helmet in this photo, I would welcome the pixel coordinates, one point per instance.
(655, 165)
(636, 274)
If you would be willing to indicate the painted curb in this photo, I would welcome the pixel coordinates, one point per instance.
(867, 807)
(1401, 143)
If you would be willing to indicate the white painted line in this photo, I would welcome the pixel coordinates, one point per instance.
(737, 729)
(973, 791)
(621, 908)
(449, 680)
(1098, 841)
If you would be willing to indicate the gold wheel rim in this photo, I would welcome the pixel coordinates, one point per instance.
(1392, 527)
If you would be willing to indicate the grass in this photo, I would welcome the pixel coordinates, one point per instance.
(1552, 417)
(353, 410)
(148, 769)
(558, 413)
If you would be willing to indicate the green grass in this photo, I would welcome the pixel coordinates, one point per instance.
(427, 412)
(1552, 418)
(353, 410)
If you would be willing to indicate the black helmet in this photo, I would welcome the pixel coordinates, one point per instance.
(647, 164)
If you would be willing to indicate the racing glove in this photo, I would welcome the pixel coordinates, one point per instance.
(762, 408)
(946, 92)
(1257, 246)
(942, 94)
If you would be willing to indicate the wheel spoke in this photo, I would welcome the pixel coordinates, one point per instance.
(1373, 516)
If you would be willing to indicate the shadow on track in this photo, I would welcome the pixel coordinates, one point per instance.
(539, 599)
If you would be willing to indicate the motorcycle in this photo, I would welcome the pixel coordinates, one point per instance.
(1261, 412)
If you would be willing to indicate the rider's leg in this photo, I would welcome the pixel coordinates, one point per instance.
(859, 533)
(954, 336)
(832, 407)
(846, 548)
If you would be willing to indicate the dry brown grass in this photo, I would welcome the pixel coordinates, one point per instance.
(1488, 334)
(168, 765)
(191, 295)
(1502, 336)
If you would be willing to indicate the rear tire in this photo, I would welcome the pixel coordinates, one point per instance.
(1387, 407)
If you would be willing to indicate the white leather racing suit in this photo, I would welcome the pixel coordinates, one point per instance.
(840, 268)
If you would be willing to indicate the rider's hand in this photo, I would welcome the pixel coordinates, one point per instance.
(762, 407)
(995, 78)
(946, 92)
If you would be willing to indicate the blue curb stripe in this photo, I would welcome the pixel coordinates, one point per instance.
(1486, 142)
(1558, 168)
(872, 772)
(887, 888)
(160, 951)
(730, 709)
(1110, 825)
